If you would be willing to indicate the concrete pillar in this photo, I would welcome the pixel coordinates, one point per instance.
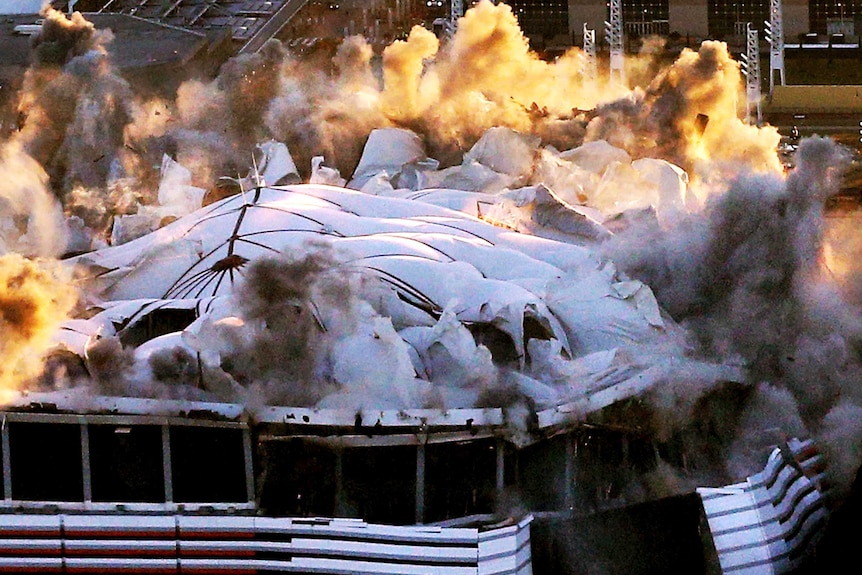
(420, 483)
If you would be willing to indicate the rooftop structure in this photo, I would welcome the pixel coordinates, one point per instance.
(250, 22)
(140, 49)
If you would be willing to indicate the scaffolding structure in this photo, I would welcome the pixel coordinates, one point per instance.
(751, 70)
(614, 37)
(589, 63)
(775, 36)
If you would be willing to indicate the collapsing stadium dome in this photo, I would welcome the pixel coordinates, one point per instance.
(582, 323)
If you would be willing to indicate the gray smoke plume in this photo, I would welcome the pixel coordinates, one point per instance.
(281, 299)
(73, 109)
(747, 279)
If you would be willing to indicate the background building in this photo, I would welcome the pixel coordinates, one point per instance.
(697, 19)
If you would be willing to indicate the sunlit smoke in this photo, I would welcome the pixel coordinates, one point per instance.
(35, 297)
(31, 219)
(747, 277)
(689, 115)
(72, 111)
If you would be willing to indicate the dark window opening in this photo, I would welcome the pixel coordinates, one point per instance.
(497, 341)
(46, 461)
(157, 323)
(296, 478)
(208, 465)
(379, 484)
(542, 474)
(460, 479)
(126, 463)
(609, 465)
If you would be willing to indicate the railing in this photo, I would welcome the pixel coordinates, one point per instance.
(224, 544)
(647, 28)
(764, 524)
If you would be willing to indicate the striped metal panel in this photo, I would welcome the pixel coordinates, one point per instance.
(765, 524)
(145, 543)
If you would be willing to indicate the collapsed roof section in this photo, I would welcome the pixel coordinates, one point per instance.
(567, 322)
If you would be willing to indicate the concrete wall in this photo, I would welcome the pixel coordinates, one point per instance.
(816, 99)
(689, 18)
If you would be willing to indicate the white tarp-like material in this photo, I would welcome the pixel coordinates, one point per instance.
(432, 288)
(450, 292)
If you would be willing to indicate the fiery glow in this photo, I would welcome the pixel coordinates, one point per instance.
(35, 297)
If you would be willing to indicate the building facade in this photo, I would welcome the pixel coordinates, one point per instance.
(697, 19)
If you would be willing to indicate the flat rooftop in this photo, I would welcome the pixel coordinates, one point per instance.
(244, 18)
(137, 42)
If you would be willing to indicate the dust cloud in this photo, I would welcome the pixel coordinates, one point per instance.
(745, 273)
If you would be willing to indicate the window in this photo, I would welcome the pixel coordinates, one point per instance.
(645, 17)
(208, 465)
(541, 17)
(379, 484)
(126, 463)
(542, 474)
(460, 479)
(833, 16)
(297, 478)
(46, 461)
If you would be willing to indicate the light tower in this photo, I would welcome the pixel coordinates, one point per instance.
(456, 10)
(614, 36)
(775, 37)
(751, 70)
(589, 64)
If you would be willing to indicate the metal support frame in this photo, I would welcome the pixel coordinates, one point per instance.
(589, 64)
(571, 454)
(340, 507)
(87, 477)
(166, 464)
(501, 467)
(249, 465)
(614, 37)
(420, 483)
(775, 37)
(7, 460)
(751, 70)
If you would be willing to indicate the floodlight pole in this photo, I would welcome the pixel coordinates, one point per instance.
(614, 37)
(456, 10)
(589, 64)
(775, 37)
(751, 70)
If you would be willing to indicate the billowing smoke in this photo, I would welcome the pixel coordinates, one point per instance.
(34, 300)
(746, 275)
(687, 114)
(306, 334)
(72, 111)
(289, 343)
(747, 278)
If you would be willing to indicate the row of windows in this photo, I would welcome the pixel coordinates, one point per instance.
(110, 463)
(103, 463)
